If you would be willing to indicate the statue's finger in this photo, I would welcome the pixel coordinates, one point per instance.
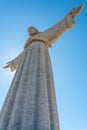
(81, 6)
(79, 9)
(7, 66)
(8, 62)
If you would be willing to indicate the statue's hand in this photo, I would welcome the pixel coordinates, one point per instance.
(10, 65)
(76, 10)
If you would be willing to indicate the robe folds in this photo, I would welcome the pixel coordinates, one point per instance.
(31, 103)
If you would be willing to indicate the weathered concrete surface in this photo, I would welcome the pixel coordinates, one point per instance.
(31, 102)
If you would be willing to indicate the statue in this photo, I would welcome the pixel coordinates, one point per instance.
(50, 35)
(31, 103)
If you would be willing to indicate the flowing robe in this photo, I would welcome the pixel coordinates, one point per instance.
(31, 103)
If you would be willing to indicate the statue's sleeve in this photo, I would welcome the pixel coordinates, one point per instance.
(13, 64)
(57, 30)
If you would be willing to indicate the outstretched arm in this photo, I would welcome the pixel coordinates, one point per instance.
(52, 34)
(13, 64)
(57, 30)
(76, 10)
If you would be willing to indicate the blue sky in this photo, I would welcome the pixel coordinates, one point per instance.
(68, 54)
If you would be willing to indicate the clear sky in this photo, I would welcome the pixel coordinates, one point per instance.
(68, 54)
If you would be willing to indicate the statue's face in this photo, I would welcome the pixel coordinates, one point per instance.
(32, 31)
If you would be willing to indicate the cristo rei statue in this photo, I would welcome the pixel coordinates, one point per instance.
(31, 103)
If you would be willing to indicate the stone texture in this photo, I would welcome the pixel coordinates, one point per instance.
(31, 103)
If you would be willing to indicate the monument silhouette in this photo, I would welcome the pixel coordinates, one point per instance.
(31, 103)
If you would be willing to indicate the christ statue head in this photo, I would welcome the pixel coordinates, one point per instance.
(32, 31)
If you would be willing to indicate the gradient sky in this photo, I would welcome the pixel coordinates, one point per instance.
(68, 54)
